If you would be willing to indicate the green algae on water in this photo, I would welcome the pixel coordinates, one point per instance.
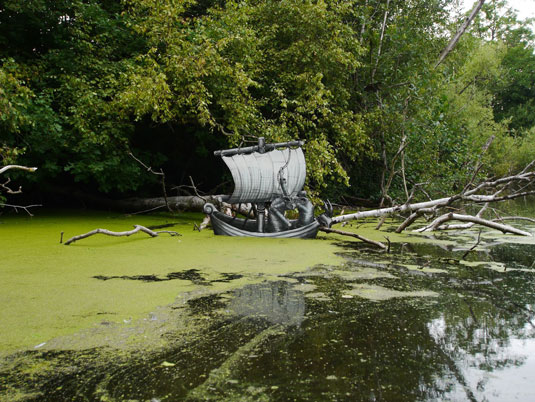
(48, 289)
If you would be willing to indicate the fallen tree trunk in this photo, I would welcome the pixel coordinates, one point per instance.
(376, 213)
(135, 205)
(177, 203)
(490, 191)
(191, 203)
(473, 219)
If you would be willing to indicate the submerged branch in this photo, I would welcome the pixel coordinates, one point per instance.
(472, 249)
(361, 238)
(204, 224)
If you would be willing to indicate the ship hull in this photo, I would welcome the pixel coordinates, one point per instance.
(228, 226)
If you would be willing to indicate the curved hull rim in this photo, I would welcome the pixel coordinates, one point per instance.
(226, 229)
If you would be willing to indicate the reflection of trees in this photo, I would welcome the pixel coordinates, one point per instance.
(277, 302)
(469, 334)
(514, 254)
(476, 333)
(379, 351)
(402, 349)
(481, 311)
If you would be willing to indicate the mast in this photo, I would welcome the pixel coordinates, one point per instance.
(261, 206)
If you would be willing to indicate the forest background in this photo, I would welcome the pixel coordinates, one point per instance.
(86, 84)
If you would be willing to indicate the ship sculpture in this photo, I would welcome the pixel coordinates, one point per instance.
(270, 177)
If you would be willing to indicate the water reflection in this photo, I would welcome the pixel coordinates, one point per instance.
(277, 302)
(494, 368)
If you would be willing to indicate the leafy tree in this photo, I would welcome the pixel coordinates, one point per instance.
(278, 69)
(68, 55)
(515, 98)
(82, 83)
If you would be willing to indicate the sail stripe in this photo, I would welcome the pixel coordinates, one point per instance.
(301, 172)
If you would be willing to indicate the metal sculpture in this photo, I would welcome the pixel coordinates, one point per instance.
(270, 177)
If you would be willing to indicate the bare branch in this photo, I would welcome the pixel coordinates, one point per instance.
(528, 166)
(19, 167)
(526, 178)
(510, 218)
(195, 189)
(137, 228)
(160, 173)
(149, 169)
(494, 198)
(479, 164)
(26, 208)
(147, 210)
(8, 189)
(5, 185)
(383, 26)
(409, 221)
(468, 218)
(464, 225)
(361, 238)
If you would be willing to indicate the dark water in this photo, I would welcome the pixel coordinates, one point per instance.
(473, 339)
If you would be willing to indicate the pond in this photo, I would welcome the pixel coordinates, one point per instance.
(428, 321)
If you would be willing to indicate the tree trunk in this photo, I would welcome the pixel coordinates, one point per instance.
(459, 33)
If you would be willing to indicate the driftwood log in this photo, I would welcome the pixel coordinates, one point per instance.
(137, 228)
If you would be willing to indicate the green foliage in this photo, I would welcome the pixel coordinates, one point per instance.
(61, 112)
(276, 69)
(82, 83)
(512, 87)
(515, 100)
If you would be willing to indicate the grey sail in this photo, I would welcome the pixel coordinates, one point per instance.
(257, 176)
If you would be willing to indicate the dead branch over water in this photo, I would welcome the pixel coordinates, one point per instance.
(485, 192)
(361, 238)
(137, 228)
(4, 186)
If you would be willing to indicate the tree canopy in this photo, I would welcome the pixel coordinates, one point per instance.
(85, 83)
